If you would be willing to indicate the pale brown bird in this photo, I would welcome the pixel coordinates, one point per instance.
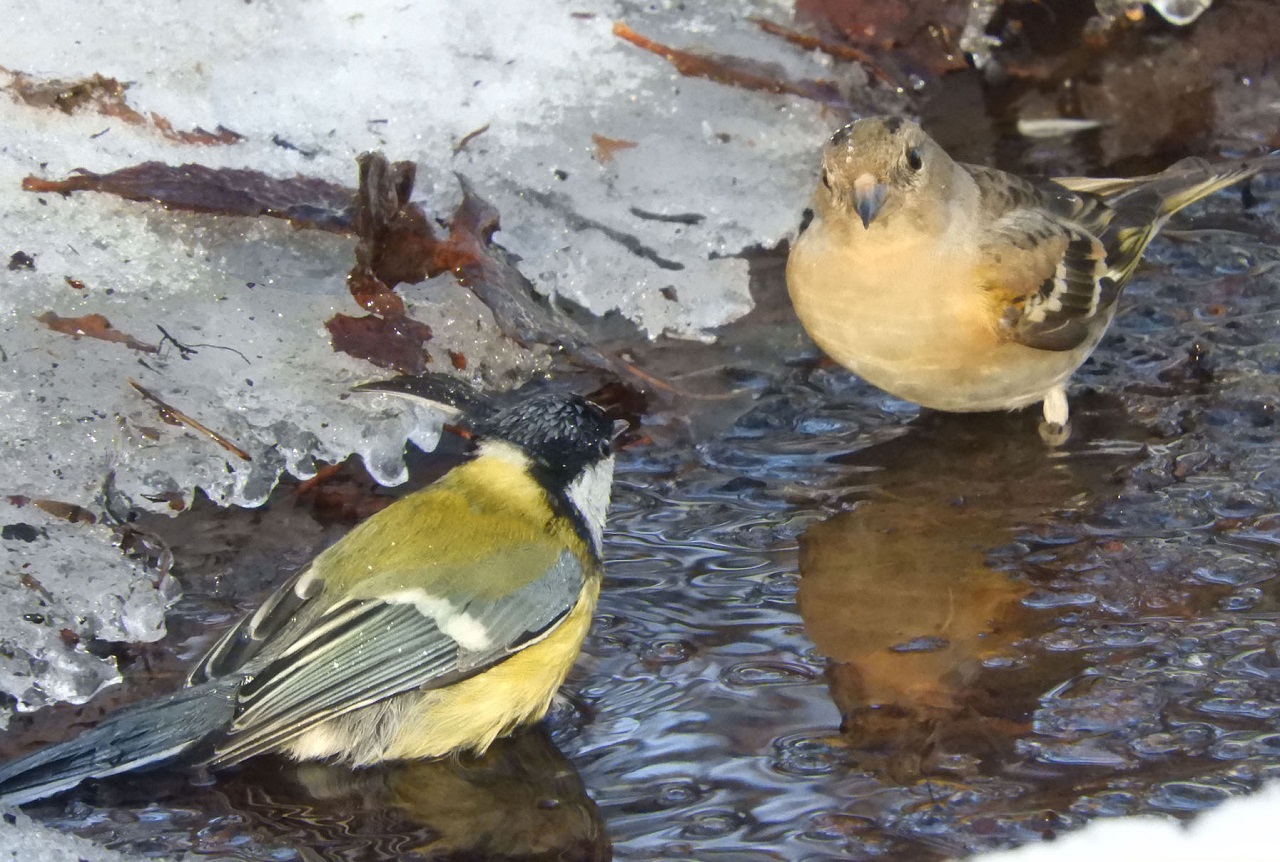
(965, 288)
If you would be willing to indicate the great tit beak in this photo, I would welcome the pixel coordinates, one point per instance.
(868, 197)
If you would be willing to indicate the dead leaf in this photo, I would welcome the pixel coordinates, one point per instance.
(735, 71)
(66, 511)
(303, 201)
(102, 95)
(923, 30)
(395, 343)
(607, 147)
(93, 326)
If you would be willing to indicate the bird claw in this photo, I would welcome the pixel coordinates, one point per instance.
(1055, 434)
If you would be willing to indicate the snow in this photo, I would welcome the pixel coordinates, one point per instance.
(1240, 830)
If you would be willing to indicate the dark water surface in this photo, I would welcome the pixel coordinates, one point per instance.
(834, 626)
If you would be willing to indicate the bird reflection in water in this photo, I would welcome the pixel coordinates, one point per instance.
(522, 801)
(898, 597)
(921, 631)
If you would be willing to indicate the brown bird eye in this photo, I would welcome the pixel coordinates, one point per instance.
(914, 160)
(826, 179)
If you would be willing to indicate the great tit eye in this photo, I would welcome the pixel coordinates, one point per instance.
(826, 179)
(914, 160)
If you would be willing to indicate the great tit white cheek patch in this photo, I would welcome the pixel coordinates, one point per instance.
(589, 494)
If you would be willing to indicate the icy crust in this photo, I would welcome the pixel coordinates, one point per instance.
(62, 585)
(250, 304)
(508, 94)
(24, 840)
(540, 78)
(1240, 829)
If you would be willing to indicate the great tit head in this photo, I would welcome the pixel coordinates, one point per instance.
(564, 440)
(569, 443)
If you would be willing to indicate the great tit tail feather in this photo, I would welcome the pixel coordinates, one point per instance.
(185, 723)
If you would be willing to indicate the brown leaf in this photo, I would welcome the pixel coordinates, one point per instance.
(736, 71)
(102, 95)
(96, 93)
(397, 243)
(93, 326)
(606, 147)
(303, 201)
(197, 136)
(388, 343)
(372, 295)
(923, 30)
(66, 511)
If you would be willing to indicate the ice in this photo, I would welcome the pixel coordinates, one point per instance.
(1177, 12)
(66, 584)
(24, 840)
(525, 85)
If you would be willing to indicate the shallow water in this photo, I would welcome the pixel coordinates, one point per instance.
(834, 626)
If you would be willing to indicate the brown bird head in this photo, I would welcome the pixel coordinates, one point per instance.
(874, 168)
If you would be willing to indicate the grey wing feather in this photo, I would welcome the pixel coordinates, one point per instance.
(362, 651)
(286, 612)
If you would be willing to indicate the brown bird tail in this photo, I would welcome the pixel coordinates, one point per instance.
(1143, 204)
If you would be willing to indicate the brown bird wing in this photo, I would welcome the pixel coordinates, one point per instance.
(1043, 262)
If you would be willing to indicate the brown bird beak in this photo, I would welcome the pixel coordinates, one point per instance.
(868, 197)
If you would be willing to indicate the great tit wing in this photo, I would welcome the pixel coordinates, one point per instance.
(1042, 261)
(363, 650)
(370, 563)
(290, 609)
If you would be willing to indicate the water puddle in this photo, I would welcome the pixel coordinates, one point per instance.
(834, 626)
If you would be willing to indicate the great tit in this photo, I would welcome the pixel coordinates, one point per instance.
(436, 626)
